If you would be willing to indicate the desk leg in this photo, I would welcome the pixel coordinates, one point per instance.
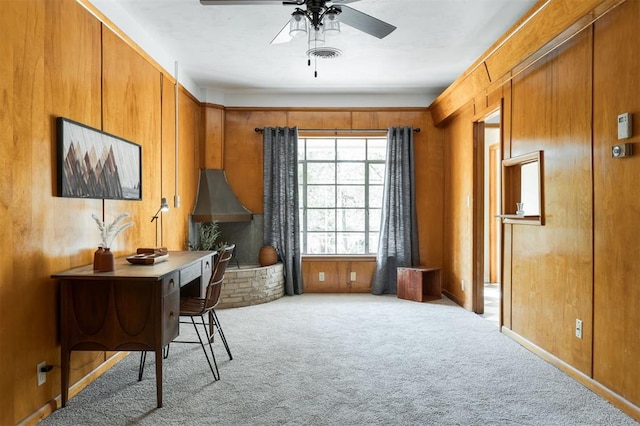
(159, 376)
(64, 379)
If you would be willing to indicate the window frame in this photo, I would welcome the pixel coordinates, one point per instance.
(303, 185)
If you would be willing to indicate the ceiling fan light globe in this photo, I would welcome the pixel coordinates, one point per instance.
(316, 37)
(298, 24)
(297, 33)
(330, 27)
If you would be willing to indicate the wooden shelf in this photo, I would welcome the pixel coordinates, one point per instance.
(520, 219)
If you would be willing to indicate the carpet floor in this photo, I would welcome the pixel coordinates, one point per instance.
(345, 360)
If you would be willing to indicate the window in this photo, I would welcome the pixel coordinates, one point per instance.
(341, 184)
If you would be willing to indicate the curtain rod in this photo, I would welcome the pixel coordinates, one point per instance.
(261, 129)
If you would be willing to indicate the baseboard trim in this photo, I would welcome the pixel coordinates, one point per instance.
(54, 404)
(453, 297)
(618, 401)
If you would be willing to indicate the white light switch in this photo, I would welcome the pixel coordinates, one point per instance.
(320, 276)
(353, 276)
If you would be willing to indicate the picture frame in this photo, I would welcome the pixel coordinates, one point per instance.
(97, 164)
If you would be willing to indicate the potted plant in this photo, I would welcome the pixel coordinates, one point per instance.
(207, 237)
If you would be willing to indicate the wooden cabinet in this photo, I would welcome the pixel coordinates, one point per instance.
(352, 274)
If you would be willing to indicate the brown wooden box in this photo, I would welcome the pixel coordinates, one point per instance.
(419, 284)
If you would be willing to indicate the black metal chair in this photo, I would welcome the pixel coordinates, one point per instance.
(194, 307)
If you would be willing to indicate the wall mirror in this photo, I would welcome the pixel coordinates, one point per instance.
(522, 195)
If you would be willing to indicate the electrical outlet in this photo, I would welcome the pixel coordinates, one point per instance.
(578, 329)
(462, 284)
(320, 276)
(353, 276)
(42, 375)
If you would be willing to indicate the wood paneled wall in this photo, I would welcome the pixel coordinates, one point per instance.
(458, 205)
(616, 233)
(551, 275)
(580, 264)
(59, 60)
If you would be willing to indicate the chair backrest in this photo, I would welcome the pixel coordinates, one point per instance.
(217, 277)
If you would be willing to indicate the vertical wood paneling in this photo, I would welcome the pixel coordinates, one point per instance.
(166, 232)
(49, 68)
(9, 36)
(213, 155)
(243, 153)
(132, 110)
(190, 155)
(22, 93)
(552, 264)
(458, 218)
(73, 68)
(616, 340)
(506, 229)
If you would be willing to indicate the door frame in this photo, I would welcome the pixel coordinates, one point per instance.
(478, 248)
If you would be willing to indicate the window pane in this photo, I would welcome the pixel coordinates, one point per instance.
(323, 173)
(376, 174)
(375, 195)
(351, 243)
(301, 149)
(374, 219)
(351, 173)
(321, 196)
(377, 149)
(320, 243)
(321, 220)
(351, 149)
(321, 149)
(301, 196)
(350, 220)
(373, 242)
(350, 196)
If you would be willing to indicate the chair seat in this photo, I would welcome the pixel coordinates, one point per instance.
(190, 306)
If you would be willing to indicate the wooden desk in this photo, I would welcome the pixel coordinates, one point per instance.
(133, 308)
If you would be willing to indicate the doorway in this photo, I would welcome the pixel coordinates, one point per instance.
(487, 236)
(492, 223)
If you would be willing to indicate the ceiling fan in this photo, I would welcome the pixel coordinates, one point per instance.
(321, 16)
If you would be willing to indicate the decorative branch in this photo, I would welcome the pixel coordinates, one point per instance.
(109, 232)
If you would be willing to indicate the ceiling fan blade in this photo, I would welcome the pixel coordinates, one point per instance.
(365, 23)
(238, 2)
(283, 36)
(338, 2)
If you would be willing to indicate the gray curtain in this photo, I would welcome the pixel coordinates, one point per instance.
(281, 214)
(398, 243)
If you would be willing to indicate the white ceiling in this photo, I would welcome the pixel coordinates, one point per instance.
(223, 52)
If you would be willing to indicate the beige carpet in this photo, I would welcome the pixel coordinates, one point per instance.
(346, 360)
